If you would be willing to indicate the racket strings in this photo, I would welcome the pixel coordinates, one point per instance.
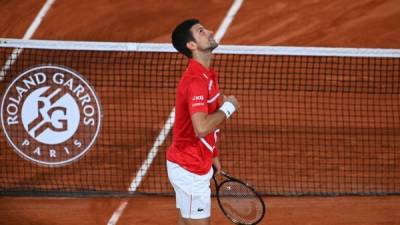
(240, 202)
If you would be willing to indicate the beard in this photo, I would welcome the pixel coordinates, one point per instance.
(212, 44)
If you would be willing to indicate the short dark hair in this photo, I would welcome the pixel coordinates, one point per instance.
(182, 35)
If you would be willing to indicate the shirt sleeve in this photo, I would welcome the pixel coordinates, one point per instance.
(197, 95)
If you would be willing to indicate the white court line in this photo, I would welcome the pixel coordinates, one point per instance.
(117, 214)
(153, 152)
(228, 20)
(28, 34)
(171, 118)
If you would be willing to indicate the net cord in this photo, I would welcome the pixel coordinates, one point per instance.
(222, 49)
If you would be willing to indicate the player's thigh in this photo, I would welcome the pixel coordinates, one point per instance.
(192, 191)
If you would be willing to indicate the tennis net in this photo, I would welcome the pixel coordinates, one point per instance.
(90, 117)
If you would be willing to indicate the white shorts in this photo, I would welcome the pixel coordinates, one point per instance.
(192, 191)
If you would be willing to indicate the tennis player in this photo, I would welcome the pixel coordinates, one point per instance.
(198, 114)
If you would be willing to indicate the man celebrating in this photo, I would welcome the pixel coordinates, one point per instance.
(197, 118)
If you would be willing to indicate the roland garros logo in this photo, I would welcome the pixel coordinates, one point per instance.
(50, 115)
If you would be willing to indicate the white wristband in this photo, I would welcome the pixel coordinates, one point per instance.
(228, 108)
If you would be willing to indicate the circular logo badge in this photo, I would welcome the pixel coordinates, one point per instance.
(50, 115)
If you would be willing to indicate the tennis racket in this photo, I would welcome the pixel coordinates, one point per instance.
(239, 202)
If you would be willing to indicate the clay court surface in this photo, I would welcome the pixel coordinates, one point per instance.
(320, 23)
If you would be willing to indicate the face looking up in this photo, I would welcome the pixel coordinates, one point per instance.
(204, 38)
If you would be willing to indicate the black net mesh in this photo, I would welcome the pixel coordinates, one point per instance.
(308, 125)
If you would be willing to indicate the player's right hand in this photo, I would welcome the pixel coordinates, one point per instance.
(233, 100)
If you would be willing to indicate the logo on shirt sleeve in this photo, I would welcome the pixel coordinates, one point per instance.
(198, 98)
(198, 101)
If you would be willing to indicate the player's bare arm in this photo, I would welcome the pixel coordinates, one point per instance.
(204, 123)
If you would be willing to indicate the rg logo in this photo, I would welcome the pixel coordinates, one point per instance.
(50, 115)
